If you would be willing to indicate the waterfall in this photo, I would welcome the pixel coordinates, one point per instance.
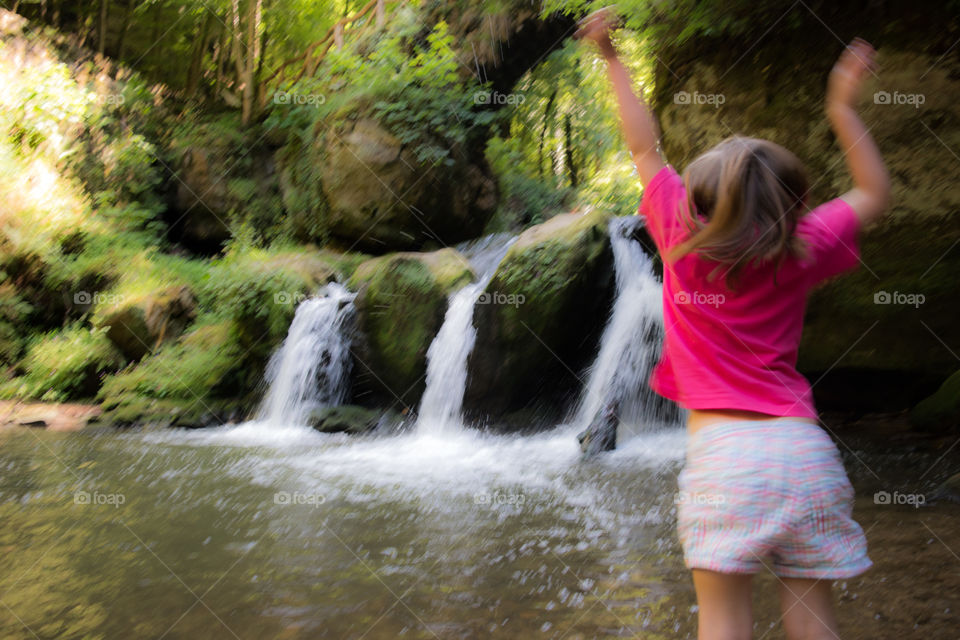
(617, 386)
(440, 407)
(312, 367)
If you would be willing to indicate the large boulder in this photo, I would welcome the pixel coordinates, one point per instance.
(202, 201)
(895, 313)
(539, 318)
(401, 302)
(225, 174)
(381, 198)
(139, 325)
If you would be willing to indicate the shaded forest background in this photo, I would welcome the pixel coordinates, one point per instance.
(179, 173)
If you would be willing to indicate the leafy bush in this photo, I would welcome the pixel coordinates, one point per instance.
(13, 312)
(250, 286)
(192, 368)
(65, 364)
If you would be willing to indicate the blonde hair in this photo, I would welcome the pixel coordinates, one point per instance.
(752, 192)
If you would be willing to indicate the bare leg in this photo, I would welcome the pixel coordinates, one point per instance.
(807, 607)
(724, 600)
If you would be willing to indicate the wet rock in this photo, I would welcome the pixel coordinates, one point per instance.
(351, 419)
(197, 381)
(539, 319)
(601, 435)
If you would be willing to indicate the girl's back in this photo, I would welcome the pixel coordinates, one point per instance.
(734, 345)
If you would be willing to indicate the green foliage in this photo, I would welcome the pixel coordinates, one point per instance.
(14, 311)
(414, 88)
(678, 21)
(525, 199)
(184, 378)
(65, 364)
(259, 288)
(563, 146)
(425, 104)
(263, 300)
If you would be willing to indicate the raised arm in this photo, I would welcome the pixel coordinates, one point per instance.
(871, 192)
(639, 127)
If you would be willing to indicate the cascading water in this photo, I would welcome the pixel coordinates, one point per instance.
(311, 369)
(440, 407)
(617, 388)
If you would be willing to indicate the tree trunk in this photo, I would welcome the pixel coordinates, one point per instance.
(102, 43)
(246, 62)
(260, 97)
(124, 27)
(155, 30)
(196, 57)
(543, 132)
(568, 150)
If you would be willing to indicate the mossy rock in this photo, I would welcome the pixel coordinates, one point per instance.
(540, 317)
(195, 381)
(176, 412)
(316, 268)
(351, 419)
(942, 409)
(138, 326)
(401, 301)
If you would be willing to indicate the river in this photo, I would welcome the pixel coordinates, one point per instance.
(258, 532)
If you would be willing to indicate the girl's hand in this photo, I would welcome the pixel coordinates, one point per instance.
(846, 78)
(596, 27)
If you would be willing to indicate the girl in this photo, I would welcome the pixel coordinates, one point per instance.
(741, 250)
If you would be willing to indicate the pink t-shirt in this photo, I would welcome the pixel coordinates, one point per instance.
(727, 349)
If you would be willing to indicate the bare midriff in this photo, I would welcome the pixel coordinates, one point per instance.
(699, 418)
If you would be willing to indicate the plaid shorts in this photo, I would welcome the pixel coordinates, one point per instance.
(771, 490)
